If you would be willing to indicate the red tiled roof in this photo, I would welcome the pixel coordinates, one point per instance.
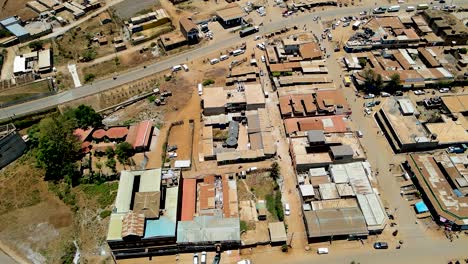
(85, 146)
(82, 134)
(117, 132)
(98, 134)
(189, 193)
(133, 224)
(140, 135)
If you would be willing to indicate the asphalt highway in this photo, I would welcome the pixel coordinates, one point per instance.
(106, 84)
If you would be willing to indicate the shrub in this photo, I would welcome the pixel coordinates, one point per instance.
(152, 98)
(208, 82)
(35, 45)
(89, 55)
(243, 226)
(105, 214)
(276, 74)
(89, 77)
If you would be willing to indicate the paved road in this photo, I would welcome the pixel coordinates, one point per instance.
(98, 86)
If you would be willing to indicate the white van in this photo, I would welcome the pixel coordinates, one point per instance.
(394, 8)
(203, 258)
(237, 52)
(223, 57)
(214, 61)
(185, 67)
(261, 46)
(176, 68)
(287, 209)
(200, 89)
(321, 251)
(410, 9)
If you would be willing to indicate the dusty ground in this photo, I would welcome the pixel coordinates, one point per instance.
(129, 8)
(16, 7)
(70, 47)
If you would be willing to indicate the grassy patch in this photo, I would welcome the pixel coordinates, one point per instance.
(103, 193)
(105, 214)
(220, 134)
(275, 206)
(24, 91)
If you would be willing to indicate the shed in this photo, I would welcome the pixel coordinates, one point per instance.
(342, 152)
(307, 191)
(277, 232)
(421, 207)
(315, 136)
(105, 18)
(182, 164)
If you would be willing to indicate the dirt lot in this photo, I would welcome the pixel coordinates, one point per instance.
(72, 46)
(129, 8)
(181, 136)
(16, 7)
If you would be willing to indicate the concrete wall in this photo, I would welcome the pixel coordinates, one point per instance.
(11, 148)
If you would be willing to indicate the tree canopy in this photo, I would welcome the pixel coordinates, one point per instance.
(57, 147)
(124, 151)
(84, 116)
(373, 82)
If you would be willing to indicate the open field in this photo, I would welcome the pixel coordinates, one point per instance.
(73, 45)
(129, 8)
(24, 91)
(16, 7)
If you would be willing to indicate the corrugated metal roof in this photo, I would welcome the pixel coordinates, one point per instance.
(335, 222)
(182, 164)
(205, 229)
(124, 193)
(115, 227)
(165, 226)
(150, 180)
(372, 209)
(17, 30)
(277, 232)
(133, 224)
(147, 203)
(189, 198)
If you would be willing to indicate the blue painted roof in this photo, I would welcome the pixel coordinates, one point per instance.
(162, 227)
(9, 21)
(17, 30)
(421, 207)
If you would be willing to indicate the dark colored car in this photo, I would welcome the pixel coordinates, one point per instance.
(380, 245)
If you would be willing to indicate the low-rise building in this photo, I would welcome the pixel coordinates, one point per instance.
(12, 145)
(144, 219)
(231, 15)
(189, 30)
(397, 118)
(442, 181)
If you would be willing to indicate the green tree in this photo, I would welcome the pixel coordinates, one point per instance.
(463, 50)
(89, 55)
(110, 153)
(89, 77)
(35, 45)
(378, 82)
(395, 81)
(275, 170)
(111, 164)
(124, 151)
(58, 148)
(362, 62)
(85, 116)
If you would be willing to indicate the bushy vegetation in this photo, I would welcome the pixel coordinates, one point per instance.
(36, 45)
(89, 77)
(208, 82)
(89, 55)
(274, 205)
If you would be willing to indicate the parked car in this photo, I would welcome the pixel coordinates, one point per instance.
(444, 90)
(380, 245)
(369, 96)
(176, 68)
(377, 102)
(287, 209)
(203, 258)
(195, 258)
(399, 93)
(244, 261)
(419, 92)
(217, 258)
(185, 67)
(455, 149)
(321, 251)
(263, 58)
(384, 94)
(369, 104)
(367, 111)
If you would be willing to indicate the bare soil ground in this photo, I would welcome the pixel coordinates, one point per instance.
(16, 7)
(129, 8)
(181, 135)
(72, 45)
(32, 220)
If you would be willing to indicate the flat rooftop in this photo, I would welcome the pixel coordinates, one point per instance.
(443, 198)
(407, 127)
